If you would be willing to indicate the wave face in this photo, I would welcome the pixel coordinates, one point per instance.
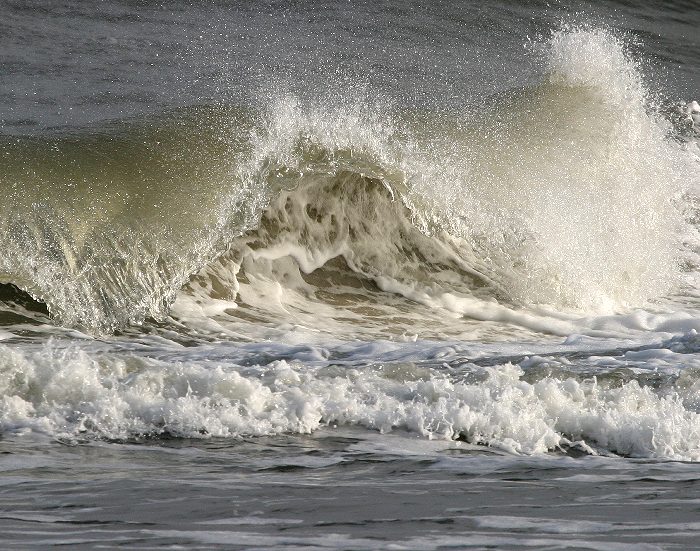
(566, 193)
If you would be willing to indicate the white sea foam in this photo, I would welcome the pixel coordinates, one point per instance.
(69, 393)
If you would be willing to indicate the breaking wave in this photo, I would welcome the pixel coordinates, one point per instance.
(569, 194)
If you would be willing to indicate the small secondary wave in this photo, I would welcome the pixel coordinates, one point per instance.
(72, 394)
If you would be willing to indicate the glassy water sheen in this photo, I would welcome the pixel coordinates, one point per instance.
(349, 275)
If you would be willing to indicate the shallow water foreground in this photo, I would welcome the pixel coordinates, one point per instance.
(337, 489)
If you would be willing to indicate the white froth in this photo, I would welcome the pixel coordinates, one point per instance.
(69, 393)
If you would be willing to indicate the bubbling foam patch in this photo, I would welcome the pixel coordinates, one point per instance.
(69, 393)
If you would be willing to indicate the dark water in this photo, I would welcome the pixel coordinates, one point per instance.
(70, 64)
(339, 490)
(359, 275)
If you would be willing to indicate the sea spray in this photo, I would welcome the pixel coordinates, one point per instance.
(566, 194)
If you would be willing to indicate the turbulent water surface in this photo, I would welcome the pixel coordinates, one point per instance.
(349, 275)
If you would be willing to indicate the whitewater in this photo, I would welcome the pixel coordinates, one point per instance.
(449, 300)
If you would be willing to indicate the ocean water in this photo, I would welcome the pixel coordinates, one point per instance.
(349, 275)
